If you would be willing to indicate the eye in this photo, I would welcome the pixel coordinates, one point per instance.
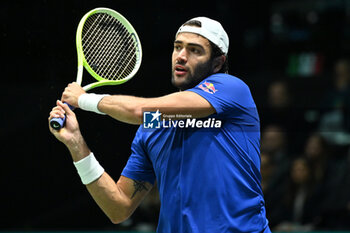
(177, 47)
(195, 50)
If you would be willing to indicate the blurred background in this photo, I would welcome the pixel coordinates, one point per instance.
(293, 54)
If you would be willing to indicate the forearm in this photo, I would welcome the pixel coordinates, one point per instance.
(78, 148)
(124, 108)
(104, 190)
(110, 198)
(106, 193)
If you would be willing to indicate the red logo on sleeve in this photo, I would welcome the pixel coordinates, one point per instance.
(208, 87)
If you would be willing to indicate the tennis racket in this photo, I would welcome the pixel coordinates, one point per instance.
(109, 49)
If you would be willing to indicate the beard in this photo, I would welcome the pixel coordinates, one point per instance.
(200, 72)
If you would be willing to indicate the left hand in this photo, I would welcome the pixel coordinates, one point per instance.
(71, 94)
(70, 134)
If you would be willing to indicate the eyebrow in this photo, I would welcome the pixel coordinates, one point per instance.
(190, 44)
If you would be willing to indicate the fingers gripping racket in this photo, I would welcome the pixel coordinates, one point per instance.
(109, 49)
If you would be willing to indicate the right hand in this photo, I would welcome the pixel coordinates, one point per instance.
(71, 94)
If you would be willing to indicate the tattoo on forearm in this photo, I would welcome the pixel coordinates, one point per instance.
(139, 186)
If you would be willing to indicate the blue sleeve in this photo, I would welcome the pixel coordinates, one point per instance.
(227, 94)
(139, 167)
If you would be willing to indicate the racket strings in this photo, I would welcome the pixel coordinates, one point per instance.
(93, 38)
(108, 47)
(107, 40)
(110, 44)
(127, 45)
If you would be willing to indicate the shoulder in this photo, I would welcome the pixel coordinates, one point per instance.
(224, 91)
(227, 79)
(226, 83)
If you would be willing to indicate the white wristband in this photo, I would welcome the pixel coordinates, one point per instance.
(89, 102)
(89, 169)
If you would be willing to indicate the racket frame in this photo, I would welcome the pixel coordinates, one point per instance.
(81, 58)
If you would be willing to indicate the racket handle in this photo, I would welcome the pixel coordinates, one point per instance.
(57, 123)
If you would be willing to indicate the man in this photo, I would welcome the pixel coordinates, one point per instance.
(208, 179)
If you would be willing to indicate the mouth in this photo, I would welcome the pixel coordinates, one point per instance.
(180, 70)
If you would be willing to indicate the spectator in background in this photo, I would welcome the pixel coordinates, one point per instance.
(277, 110)
(281, 110)
(331, 176)
(334, 123)
(279, 95)
(274, 143)
(317, 151)
(299, 209)
(331, 184)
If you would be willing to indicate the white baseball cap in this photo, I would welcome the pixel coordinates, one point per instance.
(210, 29)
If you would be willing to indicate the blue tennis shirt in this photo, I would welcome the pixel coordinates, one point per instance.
(208, 179)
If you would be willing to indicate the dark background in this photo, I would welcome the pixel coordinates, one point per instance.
(39, 187)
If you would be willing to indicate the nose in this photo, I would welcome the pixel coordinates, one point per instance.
(182, 56)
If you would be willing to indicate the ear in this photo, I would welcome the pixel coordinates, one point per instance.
(218, 63)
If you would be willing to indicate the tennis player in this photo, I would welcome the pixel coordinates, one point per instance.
(208, 178)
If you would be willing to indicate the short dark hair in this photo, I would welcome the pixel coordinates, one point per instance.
(215, 50)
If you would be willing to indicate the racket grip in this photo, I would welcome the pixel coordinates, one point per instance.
(57, 123)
